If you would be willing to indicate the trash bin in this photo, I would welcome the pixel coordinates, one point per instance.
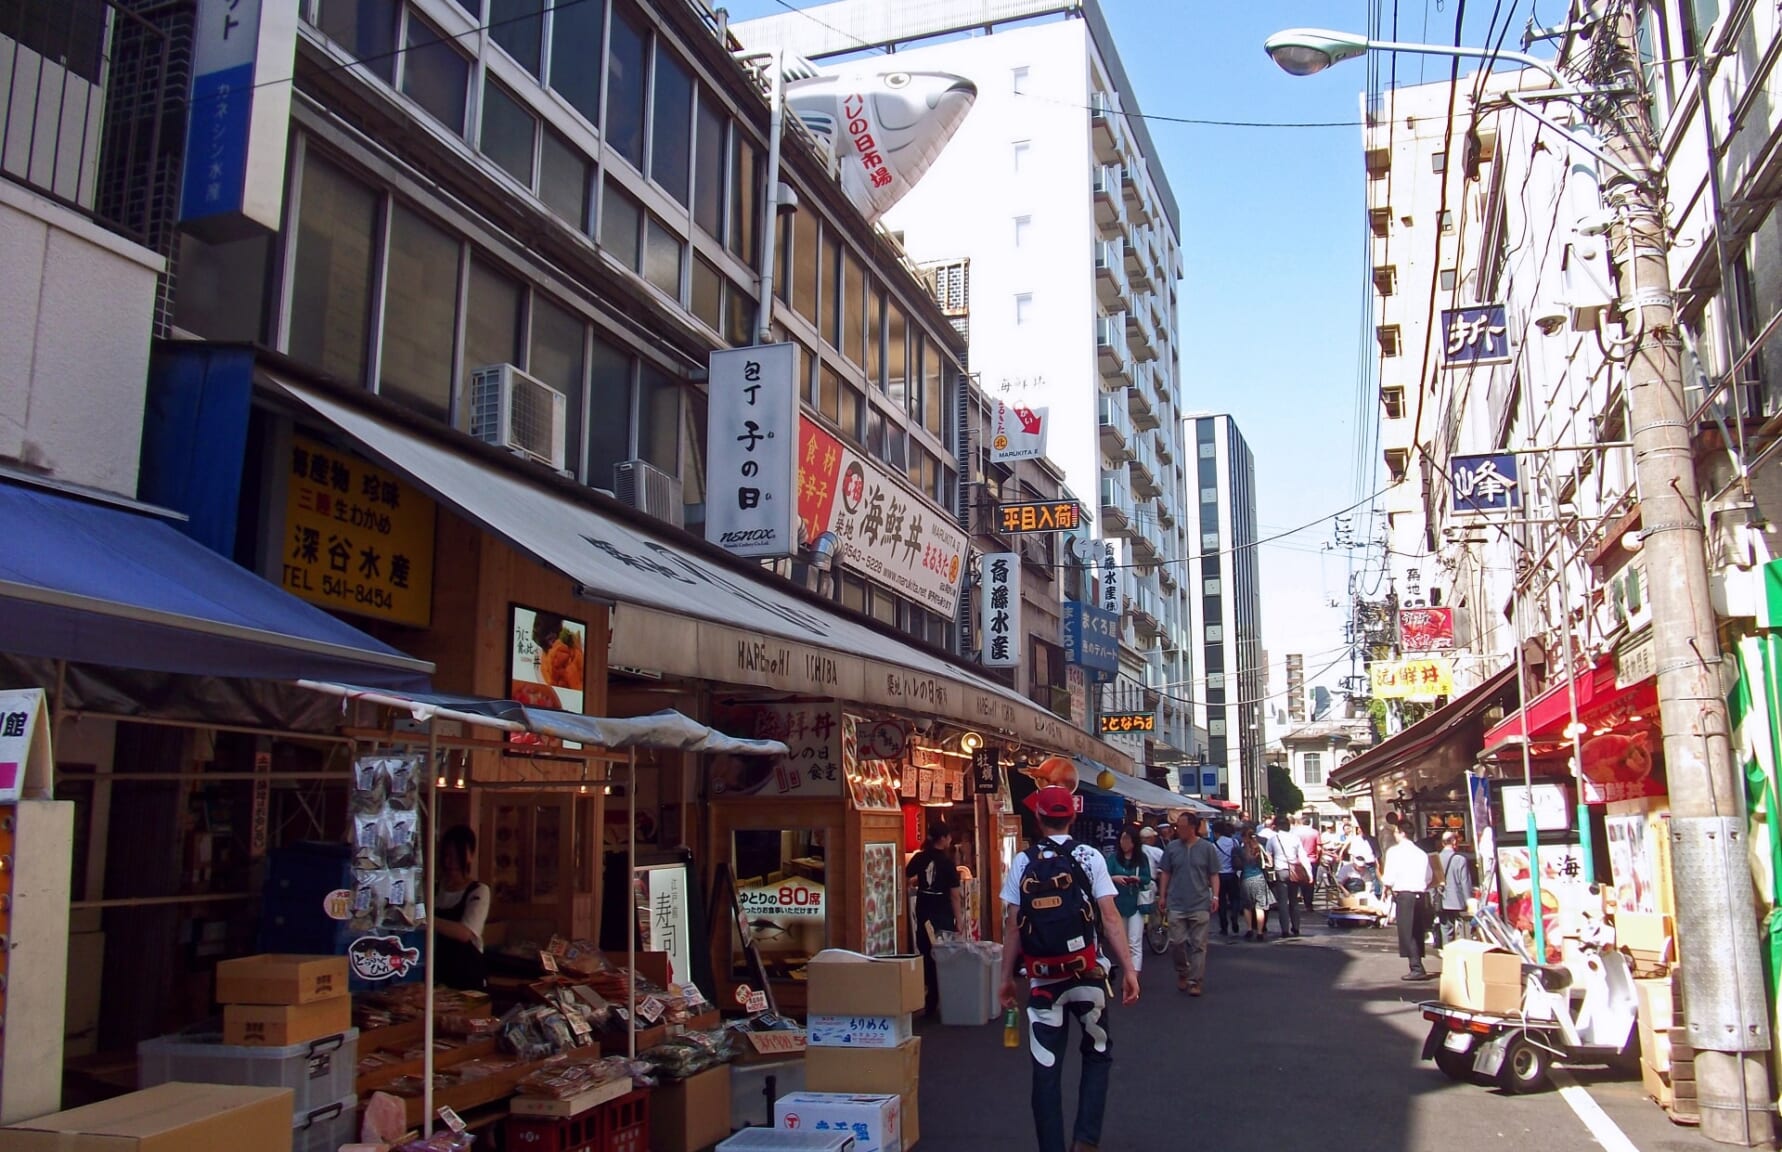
(964, 972)
(993, 976)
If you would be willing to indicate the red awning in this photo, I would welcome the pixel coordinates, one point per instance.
(1601, 705)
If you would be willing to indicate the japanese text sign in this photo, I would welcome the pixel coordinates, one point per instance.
(986, 771)
(794, 898)
(1018, 432)
(239, 117)
(1110, 577)
(1423, 680)
(1128, 722)
(666, 888)
(1039, 516)
(812, 765)
(1475, 334)
(999, 604)
(1487, 483)
(1092, 638)
(751, 506)
(888, 534)
(356, 538)
(1425, 629)
(24, 743)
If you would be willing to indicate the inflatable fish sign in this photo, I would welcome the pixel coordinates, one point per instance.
(884, 128)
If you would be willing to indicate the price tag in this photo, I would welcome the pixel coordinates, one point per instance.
(549, 961)
(338, 904)
(580, 1027)
(651, 1009)
(558, 946)
(757, 1003)
(450, 1118)
(743, 992)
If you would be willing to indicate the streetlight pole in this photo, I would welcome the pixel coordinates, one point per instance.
(1725, 1005)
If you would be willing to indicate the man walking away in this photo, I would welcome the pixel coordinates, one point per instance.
(1304, 885)
(1457, 886)
(1189, 888)
(1289, 857)
(1409, 877)
(935, 879)
(1059, 898)
(1230, 904)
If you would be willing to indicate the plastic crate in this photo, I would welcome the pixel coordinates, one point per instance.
(319, 1073)
(625, 1123)
(326, 1129)
(621, 1125)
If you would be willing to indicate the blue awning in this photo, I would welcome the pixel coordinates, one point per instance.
(94, 583)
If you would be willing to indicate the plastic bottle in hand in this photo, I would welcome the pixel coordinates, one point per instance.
(1011, 1030)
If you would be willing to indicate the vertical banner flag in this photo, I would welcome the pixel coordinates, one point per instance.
(751, 499)
(1000, 604)
(238, 124)
(1110, 578)
(1018, 433)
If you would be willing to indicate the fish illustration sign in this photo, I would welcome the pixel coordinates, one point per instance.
(884, 128)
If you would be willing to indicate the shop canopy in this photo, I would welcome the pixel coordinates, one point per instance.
(1601, 704)
(1429, 734)
(96, 582)
(680, 611)
(1144, 793)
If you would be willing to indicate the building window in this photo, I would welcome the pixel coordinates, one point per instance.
(420, 315)
(609, 412)
(491, 319)
(659, 419)
(1438, 162)
(708, 293)
(806, 253)
(1023, 308)
(1018, 81)
(1393, 401)
(509, 133)
(563, 179)
(435, 74)
(518, 26)
(1388, 336)
(558, 357)
(662, 258)
(1398, 462)
(671, 124)
(745, 192)
(1447, 220)
(331, 284)
(627, 81)
(851, 284)
(366, 29)
(708, 170)
(875, 324)
(621, 226)
(577, 29)
(934, 390)
(1378, 220)
(1019, 153)
(1445, 278)
(1023, 224)
(896, 356)
(1311, 768)
(1386, 280)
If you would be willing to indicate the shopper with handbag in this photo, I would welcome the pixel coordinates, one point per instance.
(1256, 869)
(1291, 862)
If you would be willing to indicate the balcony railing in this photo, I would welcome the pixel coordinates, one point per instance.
(1115, 424)
(83, 84)
(1110, 200)
(1110, 273)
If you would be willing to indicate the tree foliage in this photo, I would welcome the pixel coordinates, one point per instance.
(1283, 794)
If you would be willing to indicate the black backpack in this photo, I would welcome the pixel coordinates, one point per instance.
(1057, 917)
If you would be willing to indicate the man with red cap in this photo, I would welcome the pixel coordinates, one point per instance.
(1059, 899)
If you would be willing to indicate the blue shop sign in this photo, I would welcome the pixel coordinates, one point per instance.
(1092, 638)
(1476, 334)
(1487, 483)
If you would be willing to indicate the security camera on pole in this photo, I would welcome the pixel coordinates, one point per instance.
(1724, 1002)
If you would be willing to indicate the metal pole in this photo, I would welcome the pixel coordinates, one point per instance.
(1724, 1002)
(1574, 729)
(631, 905)
(429, 872)
(776, 124)
(1531, 834)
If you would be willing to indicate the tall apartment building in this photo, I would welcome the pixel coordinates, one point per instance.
(1062, 207)
(1225, 582)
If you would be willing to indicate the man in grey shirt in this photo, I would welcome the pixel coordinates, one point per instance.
(1456, 879)
(1189, 890)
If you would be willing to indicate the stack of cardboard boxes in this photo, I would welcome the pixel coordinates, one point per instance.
(167, 1118)
(1481, 977)
(274, 1001)
(1667, 1062)
(862, 1062)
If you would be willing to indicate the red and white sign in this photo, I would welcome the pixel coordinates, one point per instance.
(794, 898)
(1426, 629)
(887, 533)
(1018, 432)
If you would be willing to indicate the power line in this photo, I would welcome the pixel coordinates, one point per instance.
(1254, 543)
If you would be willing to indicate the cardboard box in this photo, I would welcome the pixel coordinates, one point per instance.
(842, 983)
(280, 1025)
(275, 979)
(688, 1115)
(912, 1127)
(885, 1071)
(875, 1120)
(574, 1105)
(1481, 977)
(1655, 1013)
(1657, 1084)
(167, 1118)
(857, 1031)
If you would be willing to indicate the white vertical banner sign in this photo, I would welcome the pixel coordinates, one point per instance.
(238, 125)
(1000, 608)
(751, 491)
(1110, 577)
(1019, 432)
(666, 890)
(24, 745)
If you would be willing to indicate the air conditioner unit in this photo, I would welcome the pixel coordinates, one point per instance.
(518, 412)
(650, 490)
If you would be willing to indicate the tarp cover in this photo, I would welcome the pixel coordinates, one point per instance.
(94, 583)
(1146, 794)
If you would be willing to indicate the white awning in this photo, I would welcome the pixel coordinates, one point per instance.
(1148, 795)
(680, 613)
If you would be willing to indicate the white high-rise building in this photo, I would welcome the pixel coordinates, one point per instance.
(1060, 204)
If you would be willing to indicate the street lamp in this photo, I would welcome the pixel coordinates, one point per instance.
(1305, 51)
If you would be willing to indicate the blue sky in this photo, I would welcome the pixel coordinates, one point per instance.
(1275, 268)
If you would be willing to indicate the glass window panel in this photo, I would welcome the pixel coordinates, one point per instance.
(420, 315)
(627, 64)
(559, 359)
(577, 27)
(621, 222)
(875, 321)
(831, 297)
(801, 371)
(896, 355)
(764, 860)
(875, 432)
(745, 198)
(693, 435)
(563, 179)
(670, 149)
(853, 323)
(518, 26)
(934, 391)
(609, 412)
(222, 287)
(829, 393)
(920, 354)
(897, 449)
(805, 250)
(853, 592)
(435, 74)
(662, 257)
(491, 320)
(366, 29)
(659, 419)
(509, 132)
(739, 312)
(708, 168)
(849, 417)
(331, 285)
(708, 293)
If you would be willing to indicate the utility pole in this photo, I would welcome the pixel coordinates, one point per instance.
(1722, 976)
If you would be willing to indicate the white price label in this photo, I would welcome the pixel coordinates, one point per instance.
(757, 1003)
(452, 1120)
(549, 961)
(651, 1009)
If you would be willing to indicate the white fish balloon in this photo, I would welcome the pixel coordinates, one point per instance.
(885, 128)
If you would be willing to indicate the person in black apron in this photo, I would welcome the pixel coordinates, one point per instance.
(460, 909)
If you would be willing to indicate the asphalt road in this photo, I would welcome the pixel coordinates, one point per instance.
(1308, 1044)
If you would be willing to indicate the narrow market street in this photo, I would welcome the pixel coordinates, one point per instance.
(1298, 1045)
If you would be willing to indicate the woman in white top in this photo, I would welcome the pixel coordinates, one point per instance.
(460, 910)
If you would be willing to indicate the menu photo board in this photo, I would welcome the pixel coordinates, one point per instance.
(546, 667)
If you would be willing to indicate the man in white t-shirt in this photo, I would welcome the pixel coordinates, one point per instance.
(1082, 992)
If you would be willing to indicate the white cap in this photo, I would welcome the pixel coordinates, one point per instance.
(1147, 833)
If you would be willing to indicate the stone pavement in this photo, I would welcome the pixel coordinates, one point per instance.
(1297, 1045)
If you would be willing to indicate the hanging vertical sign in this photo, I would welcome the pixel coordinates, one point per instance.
(239, 118)
(1110, 578)
(1019, 432)
(1000, 609)
(751, 502)
(1485, 483)
(986, 771)
(24, 743)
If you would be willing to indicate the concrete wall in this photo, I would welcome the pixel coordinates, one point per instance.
(76, 310)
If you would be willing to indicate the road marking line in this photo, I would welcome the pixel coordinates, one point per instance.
(1611, 1137)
